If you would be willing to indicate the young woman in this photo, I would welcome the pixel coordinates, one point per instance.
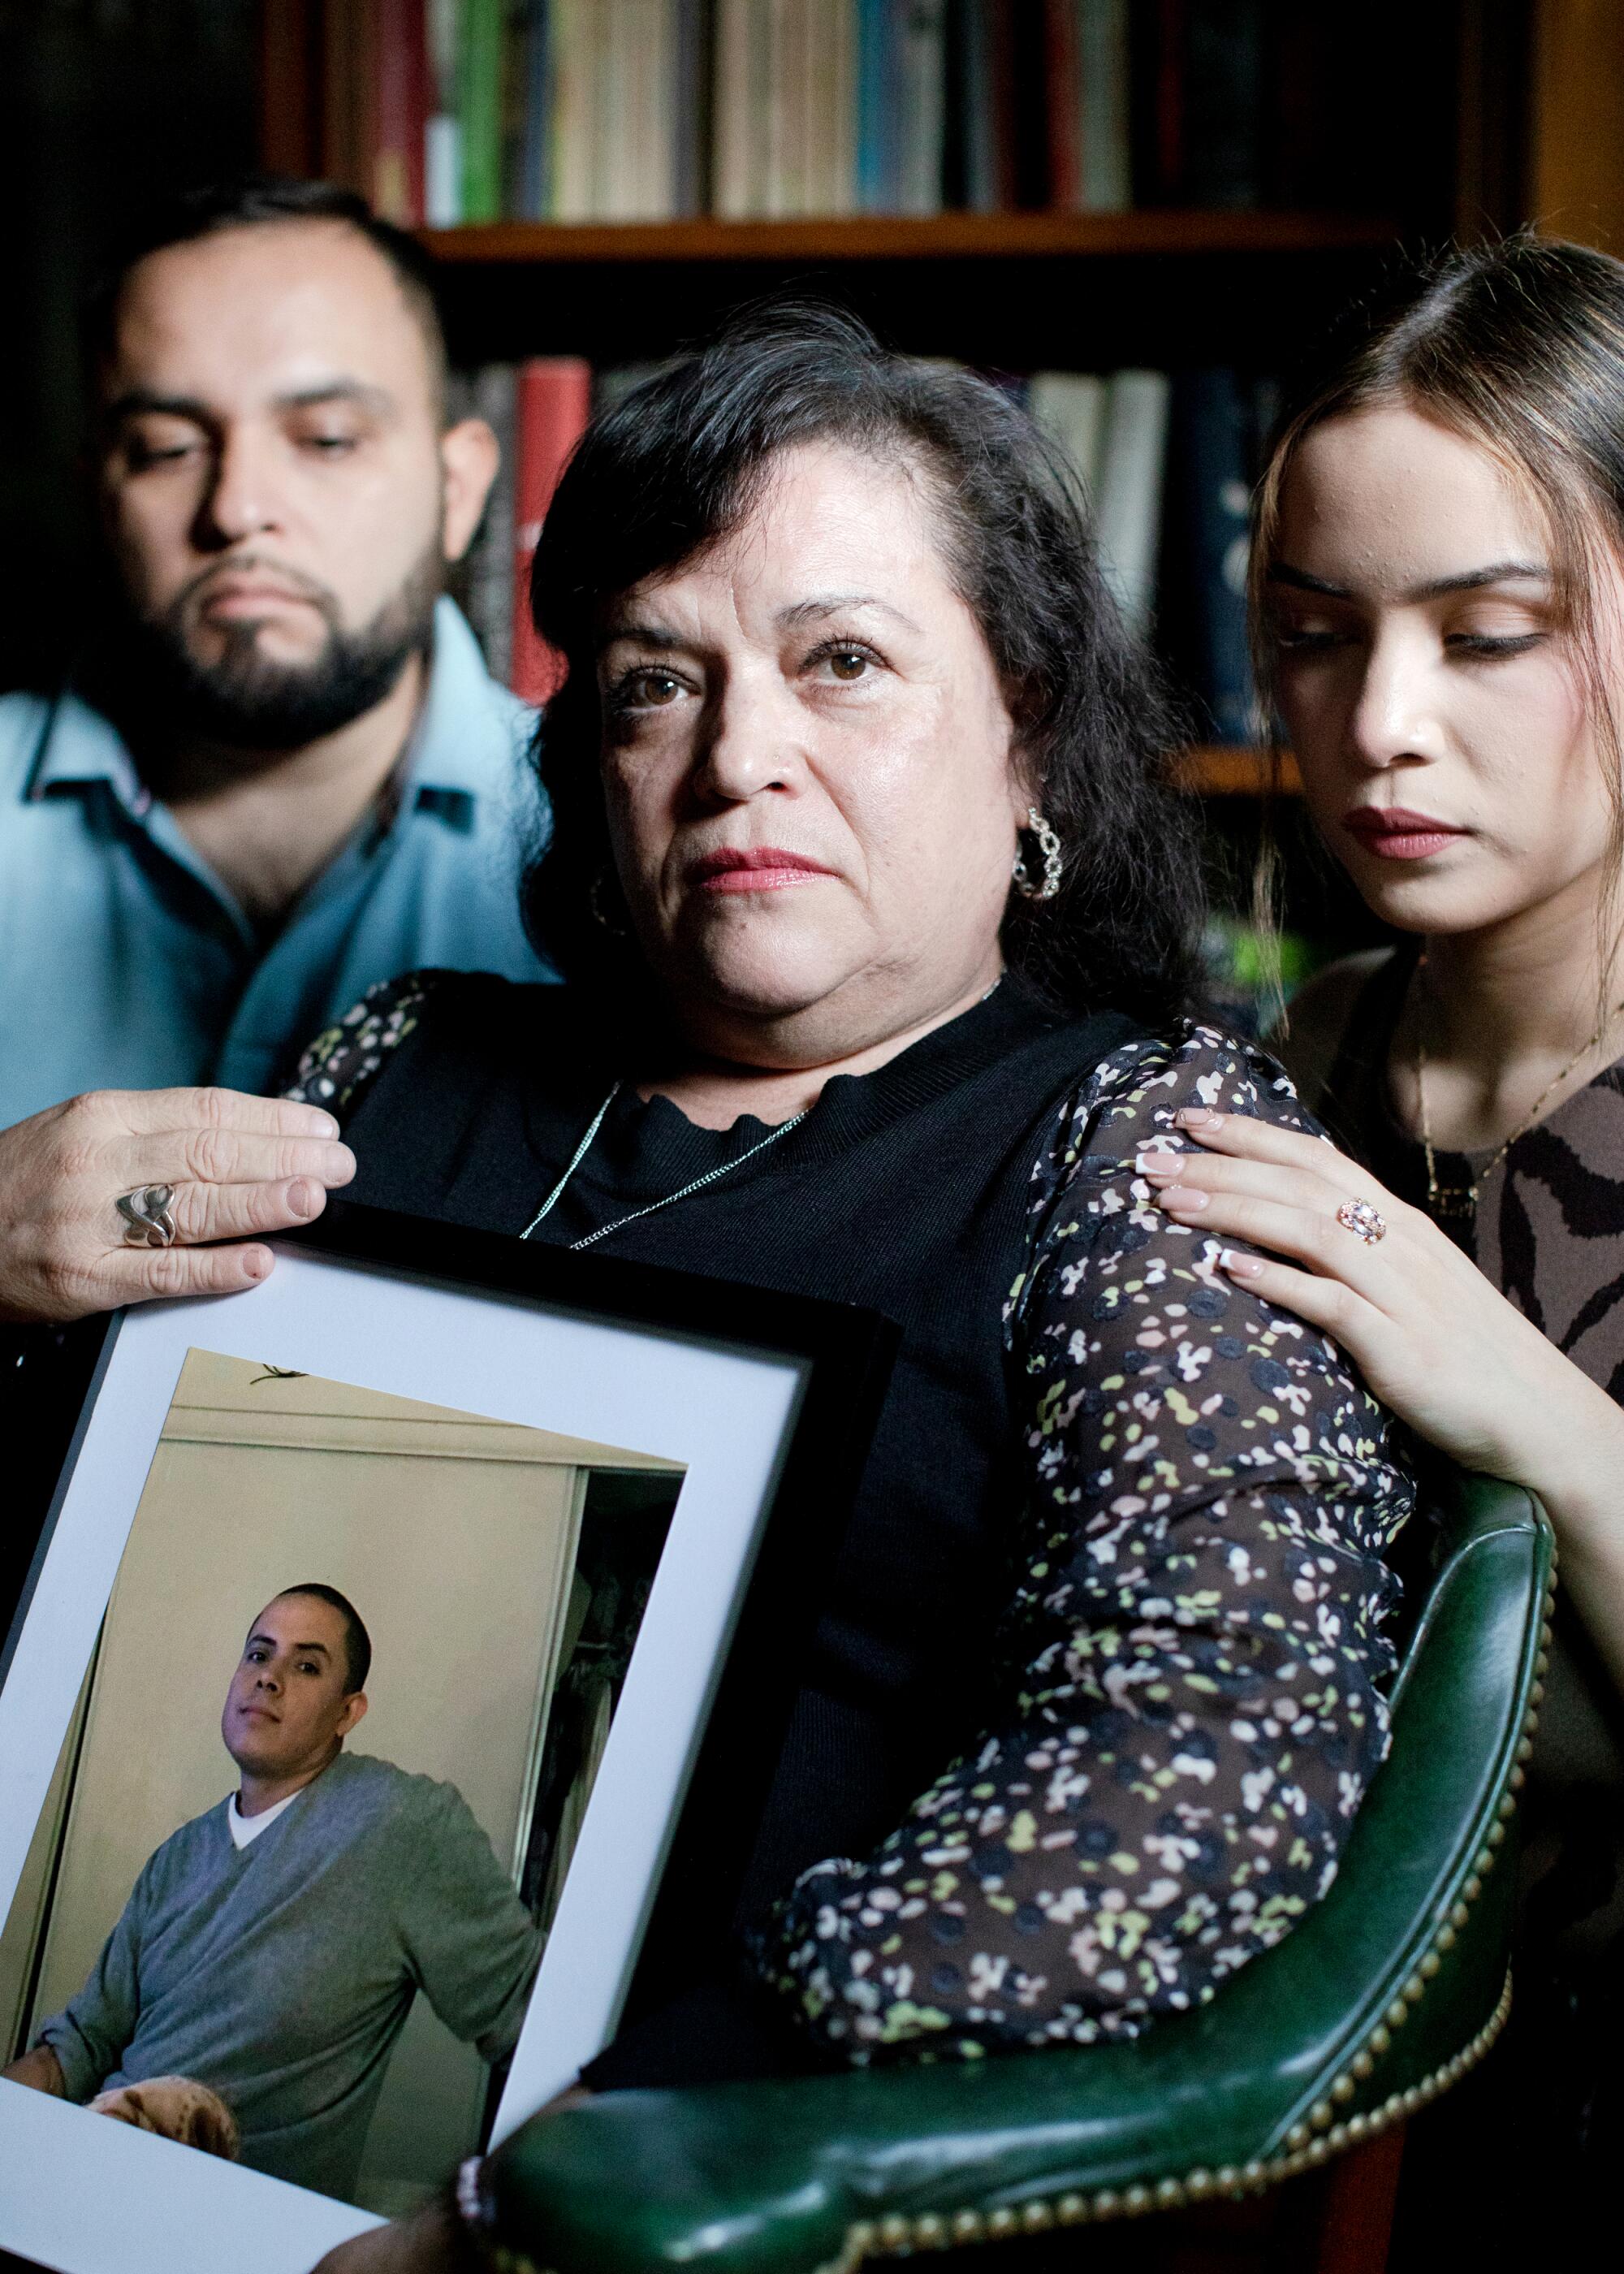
(1438, 585)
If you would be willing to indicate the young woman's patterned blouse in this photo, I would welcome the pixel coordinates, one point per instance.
(1192, 1659)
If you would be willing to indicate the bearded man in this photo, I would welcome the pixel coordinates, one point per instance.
(281, 773)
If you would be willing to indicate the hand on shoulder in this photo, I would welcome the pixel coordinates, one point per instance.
(1433, 1339)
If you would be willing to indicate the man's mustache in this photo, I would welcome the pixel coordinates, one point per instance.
(290, 580)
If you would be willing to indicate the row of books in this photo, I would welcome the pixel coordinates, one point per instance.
(1166, 462)
(447, 112)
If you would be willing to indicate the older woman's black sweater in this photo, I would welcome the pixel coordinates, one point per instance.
(905, 1191)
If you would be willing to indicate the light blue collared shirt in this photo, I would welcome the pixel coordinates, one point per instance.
(127, 964)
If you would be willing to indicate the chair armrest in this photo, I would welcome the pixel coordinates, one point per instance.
(1370, 2005)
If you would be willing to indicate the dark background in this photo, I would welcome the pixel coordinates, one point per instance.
(102, 103)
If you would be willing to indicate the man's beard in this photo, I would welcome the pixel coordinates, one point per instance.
(244, 700)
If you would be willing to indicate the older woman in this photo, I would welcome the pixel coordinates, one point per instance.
(874, 913)
(875, 918)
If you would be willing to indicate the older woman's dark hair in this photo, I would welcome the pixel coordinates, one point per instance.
(678, 463)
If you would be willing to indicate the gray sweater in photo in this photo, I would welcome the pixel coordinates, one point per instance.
(282, 1973)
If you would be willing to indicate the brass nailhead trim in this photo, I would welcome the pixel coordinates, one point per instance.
(1309, 2143)
(868, 2237)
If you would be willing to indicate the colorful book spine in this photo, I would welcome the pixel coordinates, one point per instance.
(443, 140)
(1211, 455)
(1223, 102)
(401, 79)
(480, 108)
(1061, 86)
(1128, 503)
(741, 124)
(877, 122)
(1069, 406)
(691, 83)
(616, 158)
(553, 404)
(532, 192)
(788, 105)
(966, 166)
(571, 129)
(349, 111)
(1105, 178)
(662, 105)
(921, 76)
(832, 127)
(492, 395)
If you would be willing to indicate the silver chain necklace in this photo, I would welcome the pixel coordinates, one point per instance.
(697, 1185)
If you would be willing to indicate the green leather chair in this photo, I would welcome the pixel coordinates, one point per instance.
(1391, 1988)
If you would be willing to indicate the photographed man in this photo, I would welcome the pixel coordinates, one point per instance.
(281, 772)
(272, 1948)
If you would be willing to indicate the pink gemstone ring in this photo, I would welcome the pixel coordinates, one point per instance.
(1363, 1221)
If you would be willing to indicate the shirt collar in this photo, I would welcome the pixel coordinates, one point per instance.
(77, 744)
(466, 734)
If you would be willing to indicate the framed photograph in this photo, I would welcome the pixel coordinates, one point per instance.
(398, 1627)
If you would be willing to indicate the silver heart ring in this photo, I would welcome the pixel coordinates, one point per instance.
(1363, 1221)
(146, 1212)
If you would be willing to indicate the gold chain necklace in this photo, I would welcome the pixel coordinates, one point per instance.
(1460, 1201)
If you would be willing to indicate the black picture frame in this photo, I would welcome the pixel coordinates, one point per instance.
(690, 1927)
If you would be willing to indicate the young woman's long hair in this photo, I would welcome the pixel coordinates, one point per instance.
(678, 463)
(1517, 347)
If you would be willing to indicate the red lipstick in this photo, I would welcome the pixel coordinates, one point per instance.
(1394, 832)
(754, 869)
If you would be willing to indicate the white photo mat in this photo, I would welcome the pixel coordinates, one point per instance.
(86, 2195)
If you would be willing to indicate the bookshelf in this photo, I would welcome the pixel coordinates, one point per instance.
(1015, 291)
(1059, 236)
(1222, 770)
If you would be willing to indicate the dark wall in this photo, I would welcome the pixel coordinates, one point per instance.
(103, 103)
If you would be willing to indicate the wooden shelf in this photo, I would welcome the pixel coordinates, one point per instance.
(1221, 770)
(940, 237)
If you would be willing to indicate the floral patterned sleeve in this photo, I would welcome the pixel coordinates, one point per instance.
(348, 1056)
(1192, 1657)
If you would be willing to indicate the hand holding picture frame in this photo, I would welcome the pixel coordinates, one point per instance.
(579, 1512)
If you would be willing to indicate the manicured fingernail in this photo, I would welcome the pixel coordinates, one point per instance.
(1241, 1267)
(1197, 1116)
(1160, 1168)
(303, 1198)
(1184, 1199)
